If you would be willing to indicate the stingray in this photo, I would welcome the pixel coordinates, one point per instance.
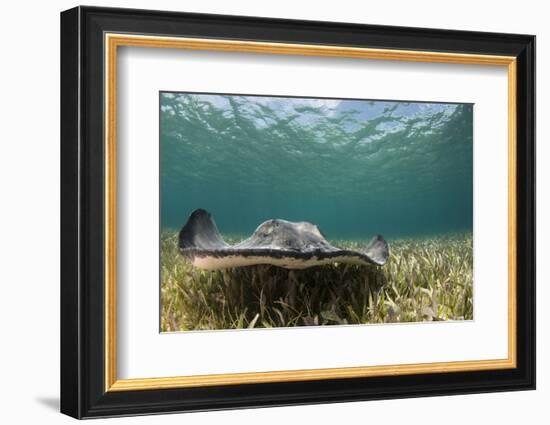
(292, 245)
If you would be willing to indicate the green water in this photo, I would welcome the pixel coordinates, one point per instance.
(354, 167)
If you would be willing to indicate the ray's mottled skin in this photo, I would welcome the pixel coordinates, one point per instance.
(292, 245)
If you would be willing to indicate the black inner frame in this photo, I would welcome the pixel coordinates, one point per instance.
(82, 212)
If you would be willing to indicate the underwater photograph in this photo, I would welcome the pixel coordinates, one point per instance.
(281, 211)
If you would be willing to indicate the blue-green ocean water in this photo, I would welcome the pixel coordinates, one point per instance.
(354, 167)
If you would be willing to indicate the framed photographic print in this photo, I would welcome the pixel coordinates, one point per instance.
(261, 212)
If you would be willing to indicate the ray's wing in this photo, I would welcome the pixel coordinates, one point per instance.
(377, 250)
(201, 232)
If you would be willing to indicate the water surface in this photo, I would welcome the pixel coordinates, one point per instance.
(354, 167)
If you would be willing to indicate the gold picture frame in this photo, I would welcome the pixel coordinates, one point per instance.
(114, 41)
(114, 29)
